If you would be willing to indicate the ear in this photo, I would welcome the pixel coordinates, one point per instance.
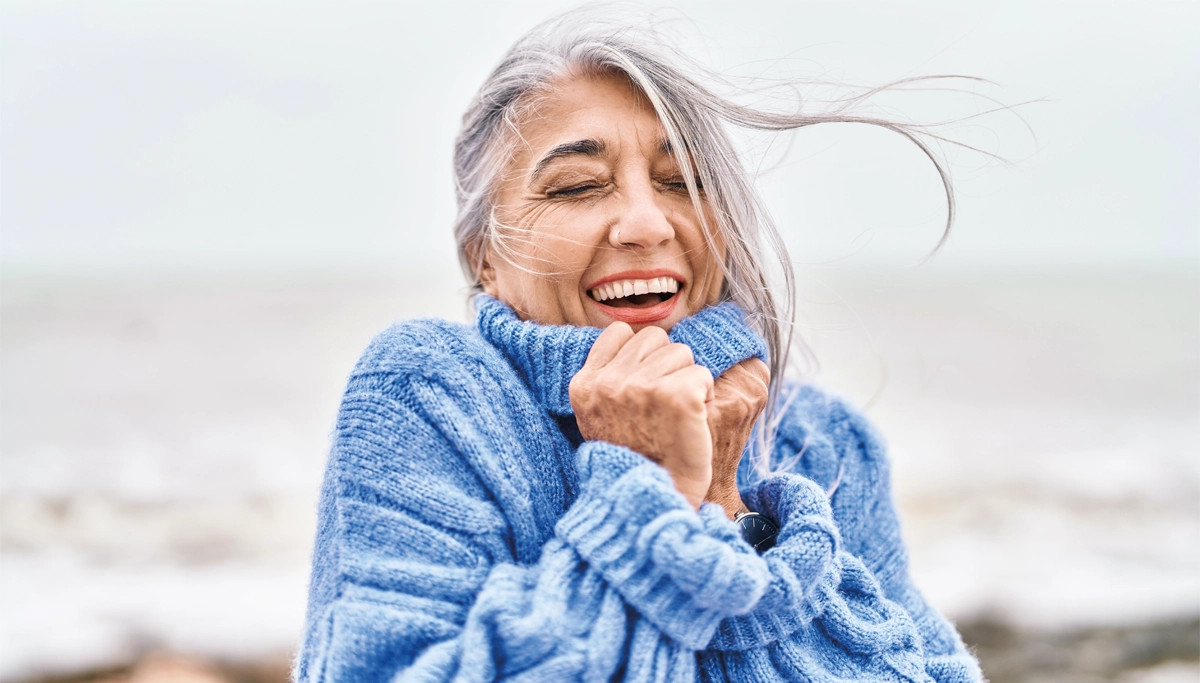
(484, 271)
(487, 280)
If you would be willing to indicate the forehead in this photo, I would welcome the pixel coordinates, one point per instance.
(603, 107)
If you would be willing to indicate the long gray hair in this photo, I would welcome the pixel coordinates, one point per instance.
(695, 119)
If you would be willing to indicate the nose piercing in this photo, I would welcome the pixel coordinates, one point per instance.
(618, 238)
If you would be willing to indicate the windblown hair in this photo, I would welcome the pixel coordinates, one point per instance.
(695, 118)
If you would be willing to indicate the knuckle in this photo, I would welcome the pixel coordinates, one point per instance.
(762, 372)
(684, 351)
(660, 391)
(654, 334)
(615, 335)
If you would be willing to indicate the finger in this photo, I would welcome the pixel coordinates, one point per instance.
(667, 359)
(608, 344)
(750, 372)
(705, 375)
(758, 369)
(645, 342)
(694, 378)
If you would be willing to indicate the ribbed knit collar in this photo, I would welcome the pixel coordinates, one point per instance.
(548, 356)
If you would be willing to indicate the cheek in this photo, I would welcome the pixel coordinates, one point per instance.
(716, 259)
(529, 294)
(706, 263)
(709, 280)
(553, 241)
(538, 269)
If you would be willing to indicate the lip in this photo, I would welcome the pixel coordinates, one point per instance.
(638, 316)
(638, 275)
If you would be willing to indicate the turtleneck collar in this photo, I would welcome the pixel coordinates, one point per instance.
(548, 356)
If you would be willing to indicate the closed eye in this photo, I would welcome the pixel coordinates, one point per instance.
(681, 185)
(573, 191)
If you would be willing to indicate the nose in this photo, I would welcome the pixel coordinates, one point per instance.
(642, 222)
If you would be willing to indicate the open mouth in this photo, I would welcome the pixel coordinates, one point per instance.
(635, 293)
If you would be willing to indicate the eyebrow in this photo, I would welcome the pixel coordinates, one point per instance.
(588, 148)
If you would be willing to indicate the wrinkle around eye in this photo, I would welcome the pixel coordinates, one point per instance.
(588, 190)
(571, 191)
(566, 178)
(678, 185)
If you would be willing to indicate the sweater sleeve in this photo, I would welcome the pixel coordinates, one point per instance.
(840, 587)
(864, 505)
(415, 572)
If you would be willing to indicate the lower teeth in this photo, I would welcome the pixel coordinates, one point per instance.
(640, 299)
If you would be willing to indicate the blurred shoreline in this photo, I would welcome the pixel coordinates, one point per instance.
(1160, 652)
(162, 440)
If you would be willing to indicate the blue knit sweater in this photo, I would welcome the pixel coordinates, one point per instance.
(468, 533)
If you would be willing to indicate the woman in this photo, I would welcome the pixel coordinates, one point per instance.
(552, 493)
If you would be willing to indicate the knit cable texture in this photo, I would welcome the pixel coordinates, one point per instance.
(464, 535)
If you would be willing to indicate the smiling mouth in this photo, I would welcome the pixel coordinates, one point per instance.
(635, 293)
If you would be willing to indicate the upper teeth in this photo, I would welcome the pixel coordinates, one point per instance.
(623, 288)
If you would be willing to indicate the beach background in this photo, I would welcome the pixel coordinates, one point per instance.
(208, 210)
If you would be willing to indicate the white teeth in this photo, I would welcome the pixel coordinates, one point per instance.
(624, 288)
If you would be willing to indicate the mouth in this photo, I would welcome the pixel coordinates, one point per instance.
(637, 297)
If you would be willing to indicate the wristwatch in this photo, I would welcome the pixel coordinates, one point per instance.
(757, 530)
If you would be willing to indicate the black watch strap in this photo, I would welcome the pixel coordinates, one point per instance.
(757, 530)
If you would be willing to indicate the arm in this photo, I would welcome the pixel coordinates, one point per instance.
(415, 570)
(836, 451)
(866, 514)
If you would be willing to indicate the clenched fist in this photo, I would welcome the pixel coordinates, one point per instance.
(739, 397)
(645, 393)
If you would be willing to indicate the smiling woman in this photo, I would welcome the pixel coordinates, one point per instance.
(553, 493)
(604, 223)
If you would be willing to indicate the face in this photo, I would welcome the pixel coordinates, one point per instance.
(597, 222)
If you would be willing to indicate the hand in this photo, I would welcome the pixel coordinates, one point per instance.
(739, 396)
(647, 394)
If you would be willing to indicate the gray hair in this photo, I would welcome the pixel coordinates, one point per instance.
(695, 118)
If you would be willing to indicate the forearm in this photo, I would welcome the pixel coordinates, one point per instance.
(629, 544)
(641, 536)
(824, 609)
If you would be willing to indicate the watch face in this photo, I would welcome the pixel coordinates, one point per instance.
(758, 531)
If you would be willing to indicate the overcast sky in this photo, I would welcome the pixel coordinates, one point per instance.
(271, 135)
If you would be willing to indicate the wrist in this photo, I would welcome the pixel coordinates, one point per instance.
(728, 498)
(692, 485)
(758, 530)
